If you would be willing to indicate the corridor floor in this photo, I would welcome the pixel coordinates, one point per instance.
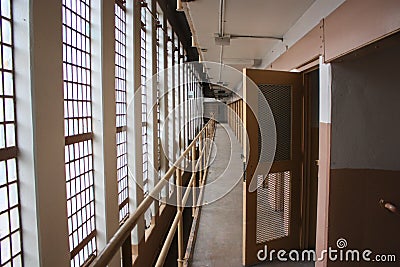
(219, 237)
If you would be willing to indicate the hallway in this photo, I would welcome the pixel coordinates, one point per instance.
(123, 126)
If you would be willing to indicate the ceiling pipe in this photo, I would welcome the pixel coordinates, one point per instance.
(256, 37)
(221, 30)
(221, 26)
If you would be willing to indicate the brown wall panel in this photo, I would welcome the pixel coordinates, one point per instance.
(365, 166)
(356, 215)
(357, 23)
(306, 50)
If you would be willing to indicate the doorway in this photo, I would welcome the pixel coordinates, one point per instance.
(311, 155)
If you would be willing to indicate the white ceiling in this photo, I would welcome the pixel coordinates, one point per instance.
(243, 17)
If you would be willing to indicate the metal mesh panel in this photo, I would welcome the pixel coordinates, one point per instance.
(273, 207)
(279, 98)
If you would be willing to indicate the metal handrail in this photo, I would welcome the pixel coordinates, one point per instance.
(125, 230)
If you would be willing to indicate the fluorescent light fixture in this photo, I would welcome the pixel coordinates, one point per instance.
(238, 61)
(294, 70)
(222, 40)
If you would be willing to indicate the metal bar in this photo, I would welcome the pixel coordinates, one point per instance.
(256, 37)
(187, 192)
(72, 139)
(200, 157)
(180, 210)
(8, 153)
(194, 177)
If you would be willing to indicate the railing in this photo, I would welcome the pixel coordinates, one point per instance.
(122, 236)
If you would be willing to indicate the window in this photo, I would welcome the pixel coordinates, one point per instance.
(171, 121)
(160, 66)
(145, 72)
(78, 130)
(10, 224)
(159, 51)
(121, 108)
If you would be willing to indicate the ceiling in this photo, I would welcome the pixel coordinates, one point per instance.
(271, 18)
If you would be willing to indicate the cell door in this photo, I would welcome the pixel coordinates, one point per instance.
(272, 210)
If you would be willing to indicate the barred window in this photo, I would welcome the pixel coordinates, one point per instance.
(159, 54)
(76, 35)
(121, 108)
(143, 73)
(171, 121)
(145, 68)
(10, 223)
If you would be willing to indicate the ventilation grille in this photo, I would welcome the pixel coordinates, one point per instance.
(273, 207)
(279, 98)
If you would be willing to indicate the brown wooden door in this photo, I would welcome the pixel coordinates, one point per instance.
(272, 212)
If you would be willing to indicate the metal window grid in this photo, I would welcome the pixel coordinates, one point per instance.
(10, 223)
(78, 130)
(170, 58)
(121, 109)
(158, 69)
(143, 74)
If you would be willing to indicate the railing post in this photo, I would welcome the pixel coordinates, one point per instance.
(194, 179)
(127, 253)
(180, 209)
(201, 156)
(205, 150)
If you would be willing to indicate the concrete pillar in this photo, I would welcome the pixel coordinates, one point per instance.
(40, 116)
(104, 117)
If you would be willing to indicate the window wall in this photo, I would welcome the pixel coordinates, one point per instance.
(81, 147)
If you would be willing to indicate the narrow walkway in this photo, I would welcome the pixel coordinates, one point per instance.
(219, 237)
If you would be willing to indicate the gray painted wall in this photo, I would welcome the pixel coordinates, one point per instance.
(366, 110)
(218, 108)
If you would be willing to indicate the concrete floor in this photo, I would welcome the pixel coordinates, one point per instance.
(219, 238)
